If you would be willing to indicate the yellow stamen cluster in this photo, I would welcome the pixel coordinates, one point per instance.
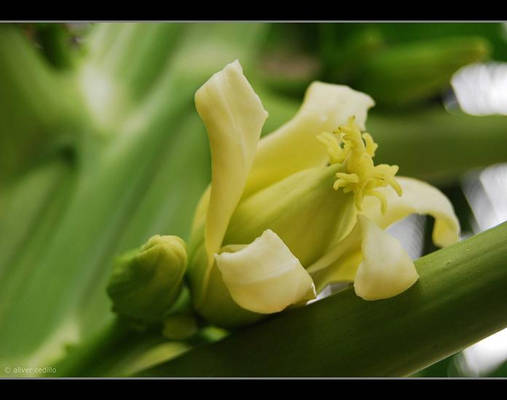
(355, 151)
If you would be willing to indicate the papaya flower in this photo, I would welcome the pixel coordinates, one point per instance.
(303, 207)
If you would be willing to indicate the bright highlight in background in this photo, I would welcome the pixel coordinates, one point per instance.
(486, 193)
(481, 89)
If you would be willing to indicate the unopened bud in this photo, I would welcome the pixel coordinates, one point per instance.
(147, 281)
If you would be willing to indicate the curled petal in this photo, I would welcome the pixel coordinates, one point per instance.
(265, 277)
(234, 116)
(386, 269)
(421, 198)
(369, 257)
(294, 146)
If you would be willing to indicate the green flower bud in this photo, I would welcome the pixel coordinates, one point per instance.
(147, 281)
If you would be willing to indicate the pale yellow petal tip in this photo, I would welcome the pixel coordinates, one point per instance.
(265, 277)
(445, 241)
(421, 198)
(234, 67)
(446, 232)
(386, 270)
(234, 73)
(325, 98)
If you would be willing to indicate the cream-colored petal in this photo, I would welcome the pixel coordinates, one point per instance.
(421, 198)
(294, 147)
(234, 116)
(386, 269)
(265, 277)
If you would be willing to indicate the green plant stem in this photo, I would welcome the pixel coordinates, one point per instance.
(437, 146)
(100, 356)
(24, 204)
(459, 299)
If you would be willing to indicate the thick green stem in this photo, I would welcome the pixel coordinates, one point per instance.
(460, 298)
(118, 351)
(437, 146)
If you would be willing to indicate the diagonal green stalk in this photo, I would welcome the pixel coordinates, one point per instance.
(100, 356)
(24, 205)
(120, 351)
(437, 146)
(459, 299)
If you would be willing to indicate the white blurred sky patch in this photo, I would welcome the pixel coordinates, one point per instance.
(486, 192)
(485, 356)
(481, 89)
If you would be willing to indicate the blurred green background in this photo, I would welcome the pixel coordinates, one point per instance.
(100, 148)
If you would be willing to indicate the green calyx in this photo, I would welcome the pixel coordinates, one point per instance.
(147, 281)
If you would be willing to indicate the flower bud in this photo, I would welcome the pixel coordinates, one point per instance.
(147, 281)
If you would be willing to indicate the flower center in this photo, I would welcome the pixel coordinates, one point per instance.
(347, 146)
